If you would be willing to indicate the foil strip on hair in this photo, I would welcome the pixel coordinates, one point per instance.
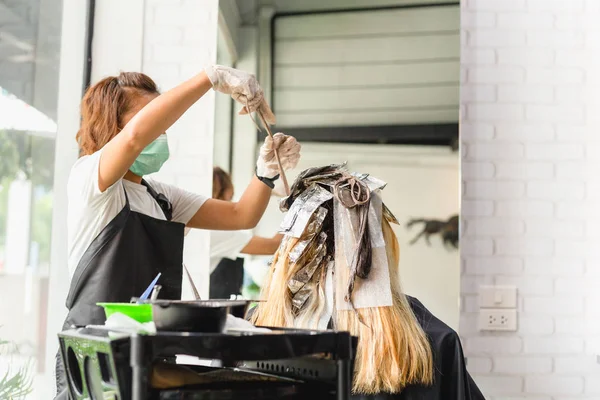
(309, 288)
(299, 215)
(303, 276)
(307, 239)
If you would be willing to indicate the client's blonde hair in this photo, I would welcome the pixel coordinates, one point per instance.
(393, 350)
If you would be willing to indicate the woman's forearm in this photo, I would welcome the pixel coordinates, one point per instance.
(162, 112)
(228, 216)
(253, 203)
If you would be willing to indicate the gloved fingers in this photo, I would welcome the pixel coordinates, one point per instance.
(278, 140)
(290, 162)
(268, 156)
(264, 109)
(243, 87)
(267, 145)
(290, 157)
(287, 162)
(249, 98)
(283, 143)
(288, 145)
(270, 143)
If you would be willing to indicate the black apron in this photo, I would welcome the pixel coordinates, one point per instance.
(227, 278)
(120, 264)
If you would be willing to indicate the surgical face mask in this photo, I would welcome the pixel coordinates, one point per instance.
(152, 158)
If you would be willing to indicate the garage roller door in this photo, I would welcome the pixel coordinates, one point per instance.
(362, 68)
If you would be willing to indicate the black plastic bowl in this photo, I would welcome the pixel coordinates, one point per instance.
(207, 316)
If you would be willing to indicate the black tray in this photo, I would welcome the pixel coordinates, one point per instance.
(120, 361)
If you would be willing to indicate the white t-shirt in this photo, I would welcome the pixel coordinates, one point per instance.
(90, 210)
(227, 244)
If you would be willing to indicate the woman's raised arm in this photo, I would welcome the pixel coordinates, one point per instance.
(156, 113)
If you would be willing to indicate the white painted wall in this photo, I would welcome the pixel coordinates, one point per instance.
(422, 182)
(394, 66)
(530, 183)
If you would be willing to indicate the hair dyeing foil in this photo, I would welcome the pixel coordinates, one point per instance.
(312, 230)
(376, 291)
(328, 179)
(306, 204)
(372, 182)
(303, 276)
(306, 178)
(306, 290)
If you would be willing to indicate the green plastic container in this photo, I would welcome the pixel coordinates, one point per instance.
(139, 312)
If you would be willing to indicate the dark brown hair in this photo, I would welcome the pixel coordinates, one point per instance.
(104, 105)
(221, 183)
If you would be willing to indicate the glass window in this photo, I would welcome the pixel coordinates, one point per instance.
(29, 69)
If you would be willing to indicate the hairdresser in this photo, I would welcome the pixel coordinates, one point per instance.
(226, 267)
(124, 229)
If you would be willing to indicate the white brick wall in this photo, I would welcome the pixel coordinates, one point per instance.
(530, 190)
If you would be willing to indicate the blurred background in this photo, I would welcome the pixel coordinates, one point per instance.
(379, 84)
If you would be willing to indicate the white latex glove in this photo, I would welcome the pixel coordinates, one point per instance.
(243, 88)
(289, 155)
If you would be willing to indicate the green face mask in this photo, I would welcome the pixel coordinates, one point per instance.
(152, 158)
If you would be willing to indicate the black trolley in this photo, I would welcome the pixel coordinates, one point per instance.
(108, 364)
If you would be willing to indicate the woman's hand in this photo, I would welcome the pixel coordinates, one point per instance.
(289, 155)
(243, 88)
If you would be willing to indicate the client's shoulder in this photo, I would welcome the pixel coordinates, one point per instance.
(434, 327)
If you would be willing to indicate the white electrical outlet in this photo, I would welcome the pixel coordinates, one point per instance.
(497, 320)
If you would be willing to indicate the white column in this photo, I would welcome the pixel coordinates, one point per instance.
(72, 61)
(118, 37)
(180, 38)
(244, 131)
(224, 104)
